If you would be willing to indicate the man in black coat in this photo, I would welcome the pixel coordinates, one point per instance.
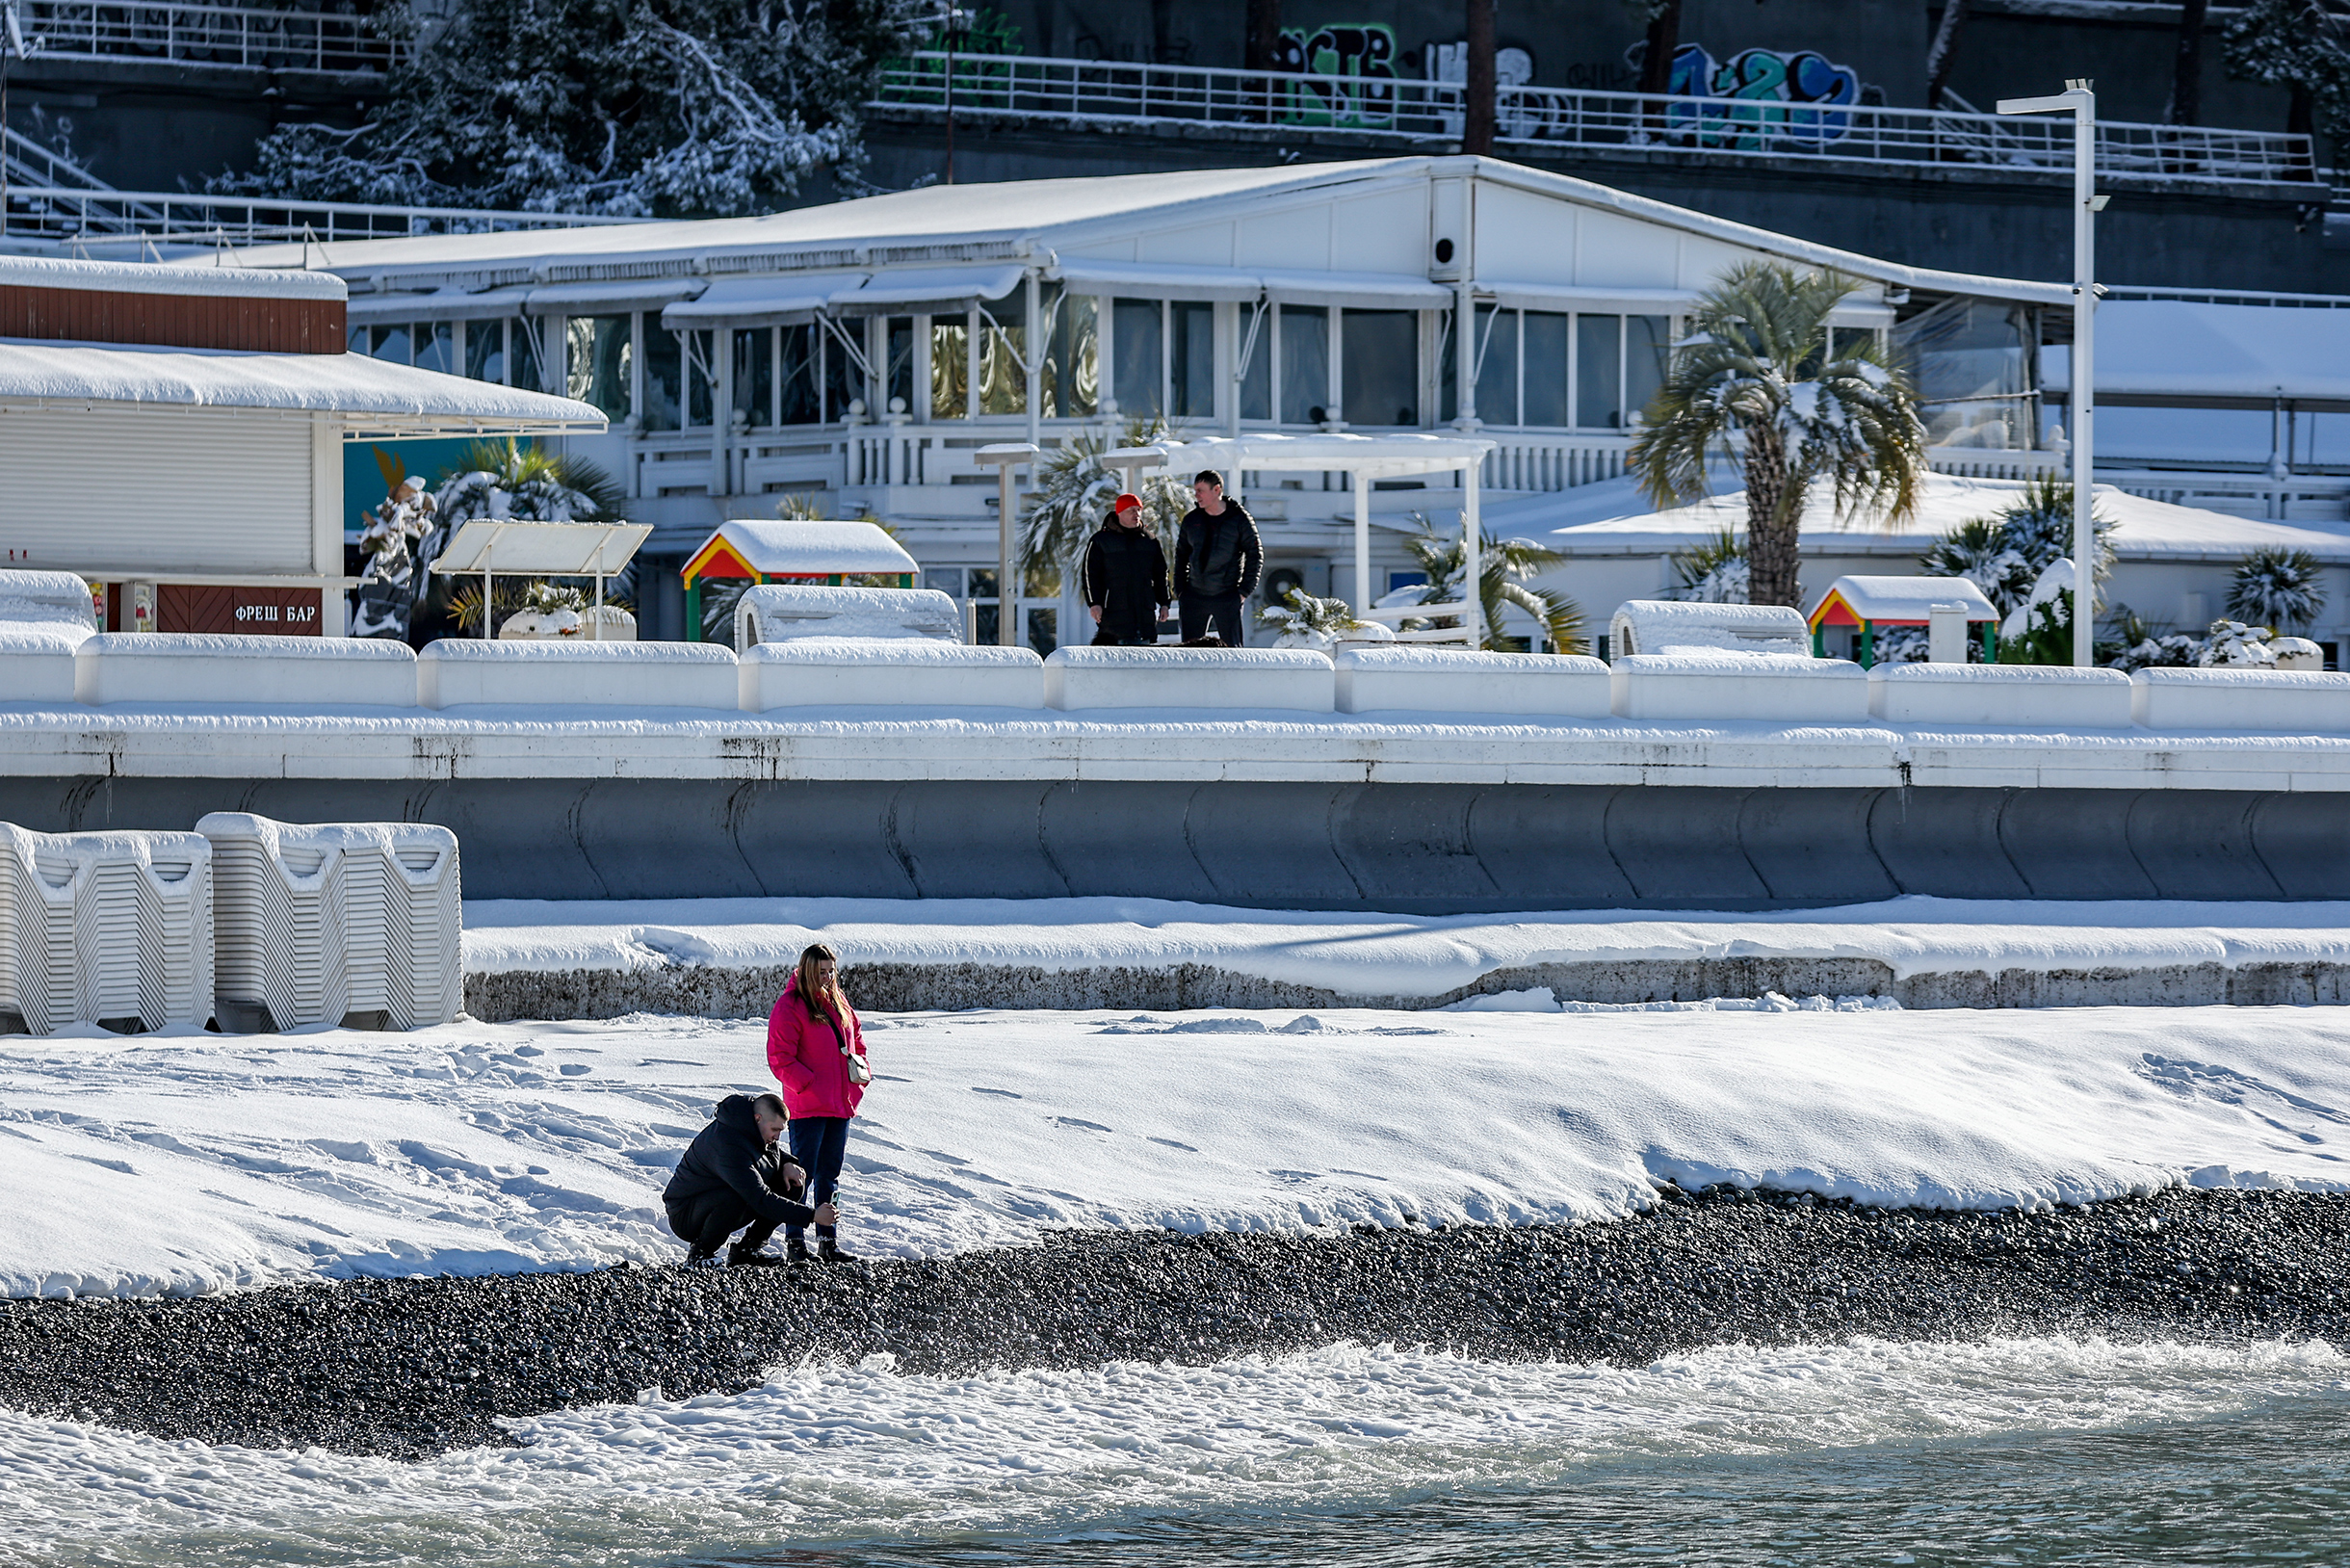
(1217, 559)
(1126, 579)
(735, 1175)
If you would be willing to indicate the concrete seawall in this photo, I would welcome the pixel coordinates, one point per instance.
(1409, 847)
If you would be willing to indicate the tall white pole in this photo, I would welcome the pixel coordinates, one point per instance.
(1472, 541)
(1008, 592)
(1362, 542)
(2084, 369)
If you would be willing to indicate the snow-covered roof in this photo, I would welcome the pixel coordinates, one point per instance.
(149, 278)
(2143, 530)
(370, 393)
(776, 547)
(1907, 598)
(1061, 224)
(2182, 349)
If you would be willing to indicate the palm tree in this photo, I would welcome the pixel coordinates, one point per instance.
(1760, 368)
(1072, 497)
(1502, 567)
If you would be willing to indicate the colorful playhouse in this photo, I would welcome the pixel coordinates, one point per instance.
(748, 551)
(1866, 603)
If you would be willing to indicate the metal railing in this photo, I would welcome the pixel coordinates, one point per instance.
(107, 224)
(1098, 93)
(250, 38)
(27, 161)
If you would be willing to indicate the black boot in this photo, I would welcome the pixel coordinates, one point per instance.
(795, 1249)
(828, 1250)
(738, 1256)
(696, 1258)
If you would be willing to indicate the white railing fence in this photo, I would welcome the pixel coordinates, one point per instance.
(121, 224)
(250, 38)
(1095, 92)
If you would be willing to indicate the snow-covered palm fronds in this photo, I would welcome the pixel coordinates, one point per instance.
(686, 108)
(2279, 588)
(2232, 644)
(1306, 621)
(1714, 572)
(1762, 369)
(1502, 567)
(2005, 554)
(1073, 494)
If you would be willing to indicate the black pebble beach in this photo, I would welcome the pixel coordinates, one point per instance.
(411, 1368)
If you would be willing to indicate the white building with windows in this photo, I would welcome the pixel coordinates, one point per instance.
(861, 352)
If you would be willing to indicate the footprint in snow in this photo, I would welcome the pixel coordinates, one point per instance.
(1173, 1144)
(1004, 1093)
(1078, 1121)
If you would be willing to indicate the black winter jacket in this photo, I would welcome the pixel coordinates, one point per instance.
(729, 1155)
(1125, 574)
(1217, 555)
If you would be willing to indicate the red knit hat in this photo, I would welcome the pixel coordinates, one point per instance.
(1130, 499)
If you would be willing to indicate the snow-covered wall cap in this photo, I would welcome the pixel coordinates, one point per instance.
(1720, 662)
(1463, 661)
(233, 645)
(47, 596)
(151, 278)
(784, 548)
(2262, 679)
(372, 390)
(1188, 658)
(473, 650)
(1908, 598)
(1929, 674)
(911, 653)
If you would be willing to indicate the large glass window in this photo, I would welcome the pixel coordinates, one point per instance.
(950, 367)
(899, 373)
(391, 343)
(1257, 373)
(1547, 338)
(1305, 364)
(754, 375)
(1495, 338)
(664, 379)
(1379, 367)
(599, 362)
(1071, 378)
(1971, 363)
(798, 395)
(1003, 382)
(844, 377)
(1648, 342)
(1140, 350)
(701, 349)
(1599, 372)
(1192, 359)
(485, 350)
(436, 347)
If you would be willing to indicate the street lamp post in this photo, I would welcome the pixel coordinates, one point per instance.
(2080, 101)
(1003, 456)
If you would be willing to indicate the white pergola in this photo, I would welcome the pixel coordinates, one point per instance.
(508, 547)
(1364, 459)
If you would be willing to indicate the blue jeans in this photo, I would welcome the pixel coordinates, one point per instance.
(818, 1144)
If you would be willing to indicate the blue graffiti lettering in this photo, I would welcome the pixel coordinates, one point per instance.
(1774, 98)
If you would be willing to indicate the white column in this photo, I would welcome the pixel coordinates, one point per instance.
(1007, 585)
(1362, 540)
(1472, 542)
(1032, 349)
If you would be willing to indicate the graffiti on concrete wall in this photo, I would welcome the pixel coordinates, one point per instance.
(1347, 75)
(1777, 97)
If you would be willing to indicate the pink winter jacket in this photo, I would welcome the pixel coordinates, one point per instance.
(805, 1056)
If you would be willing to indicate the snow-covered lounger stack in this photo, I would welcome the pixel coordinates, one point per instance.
(332, 921)
(111, 928)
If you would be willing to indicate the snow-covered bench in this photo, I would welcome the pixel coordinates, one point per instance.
(1456, 680)
(452, 674)
(218, 669)
(1297, 678)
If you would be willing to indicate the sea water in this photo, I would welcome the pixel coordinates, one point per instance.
(2049, 1450)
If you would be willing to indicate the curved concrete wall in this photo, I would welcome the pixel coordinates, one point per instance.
(1410, 847)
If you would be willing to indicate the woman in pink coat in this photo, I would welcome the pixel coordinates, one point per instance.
(815, 1049)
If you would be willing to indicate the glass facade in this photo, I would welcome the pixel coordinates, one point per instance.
(1379, 367)
(665, 378)
(1003, 349)
(800, 397)
(1139, 352)
(1190, 359)
(1971, 363)
(1305, 364)
(1071, 379)
(754, 376)
(950, 367)
(599, 364)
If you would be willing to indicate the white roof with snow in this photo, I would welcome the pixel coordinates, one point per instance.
(777, 547)
(1907, 598)
(2144, 530)
(372, 394)
(1326, 233)
(2181, 349)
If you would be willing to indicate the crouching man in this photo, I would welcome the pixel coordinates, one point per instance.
(736, 1176)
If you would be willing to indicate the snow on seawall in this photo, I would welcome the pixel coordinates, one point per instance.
(177, 1166)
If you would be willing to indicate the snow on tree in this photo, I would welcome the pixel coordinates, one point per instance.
(1305, 621)
(2302, 46)
(2005, 554)
(1714, 572)
(2231, 644)
(2278, 589)
(675, 108)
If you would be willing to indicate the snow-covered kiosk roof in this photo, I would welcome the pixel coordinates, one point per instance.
(763, 549)
(1896, 601)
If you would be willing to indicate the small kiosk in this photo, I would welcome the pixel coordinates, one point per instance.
(750, 551)
(1867, 603)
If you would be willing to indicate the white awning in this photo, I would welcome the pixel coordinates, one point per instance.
(612, 297)
(439, 305)
(502, 546)
(931, 290)
(1512, 294)
(785, 301)
(1158, 281)
(1373, 456)
(1359, 291)
(2184, 350)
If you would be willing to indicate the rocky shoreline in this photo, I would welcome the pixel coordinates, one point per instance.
(411, 1368)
